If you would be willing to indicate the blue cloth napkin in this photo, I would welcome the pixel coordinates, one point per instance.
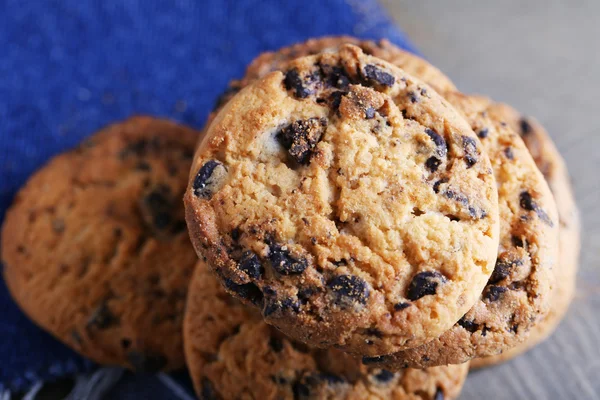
(69, 67)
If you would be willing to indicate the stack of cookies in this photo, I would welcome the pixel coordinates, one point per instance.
(364, 230)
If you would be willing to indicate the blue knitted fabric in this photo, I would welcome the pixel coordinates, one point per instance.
(69, 67)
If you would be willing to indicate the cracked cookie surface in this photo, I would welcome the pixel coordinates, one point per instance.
(554, 169)
(348, 201)
(519, 293)
(95, 246)
(232, 353)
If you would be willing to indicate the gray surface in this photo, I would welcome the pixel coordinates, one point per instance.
(543, 57)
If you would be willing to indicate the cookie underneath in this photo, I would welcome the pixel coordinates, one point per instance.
(232, 353)
(95, 247)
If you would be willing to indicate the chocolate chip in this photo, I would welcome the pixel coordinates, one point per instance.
(527, 203)
(273, 305)
(293, 81)
(102, 318)
(440, 143)
(436, 185)
(374, 332)
(247, 291)
(301, 137)
(384, 376)
(470, 326)
(251, 265)
(376, 74)
(483, 133)
(369, 113)
(432, 164)
(508, 152)
(276, 344)
(502, 269)
(401, 306)
(209, 179)
(300, 390)
(424, 284)
(470, 148)
(156, 208)
(236, 234)
(335, 76)
(207, 391)
(145, 362)
(373, 360)
(283, 262)
(349, 290)
(493, 293)
(439, 394)
(413, 97)
(336, 98)
(525, 126)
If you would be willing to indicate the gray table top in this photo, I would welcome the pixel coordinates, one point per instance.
(543, 57)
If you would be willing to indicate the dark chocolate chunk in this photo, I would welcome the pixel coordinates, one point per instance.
(335, 76)
(283, 262)
(251, 265)
(527, 203)
(483, 133)
(470, 326)
(525, 126)
(470, 148)
(372, 360)
(336, 99)
(207, 391)
(236, 234)
(247, 291)
(374, 332)
(508, 152)
(156, 208)
(440, 143)
(273, 305)
(300, 390)
(433, 163)
(369, 113)
(384, 376)
(439, 394)
(102, 318)
(436, 185)
(209, 179)
(145, 362)
(424, 284)
(376, 74)
(293, 81)
(301, 137)
(413, 97)
(349, 290)
(401, 306)
(276, 344)
(502, 269)
(493, 293)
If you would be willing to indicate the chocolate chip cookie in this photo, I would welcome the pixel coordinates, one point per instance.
(348, 201)
(95, 246)
(518, 294)
(232, 353)
(552, 165)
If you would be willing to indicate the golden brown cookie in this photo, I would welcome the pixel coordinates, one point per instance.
(519, 292)
(96, 249)
(552, 165)
(232, 353)
(348, 201)
(277, 60)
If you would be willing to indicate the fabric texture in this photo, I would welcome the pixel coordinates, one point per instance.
(69, 67)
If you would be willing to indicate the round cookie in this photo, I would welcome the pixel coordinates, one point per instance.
(232, 353)
(518, 294)
(95, 246)
(277, 60)
(552, 165)
(348, 201)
